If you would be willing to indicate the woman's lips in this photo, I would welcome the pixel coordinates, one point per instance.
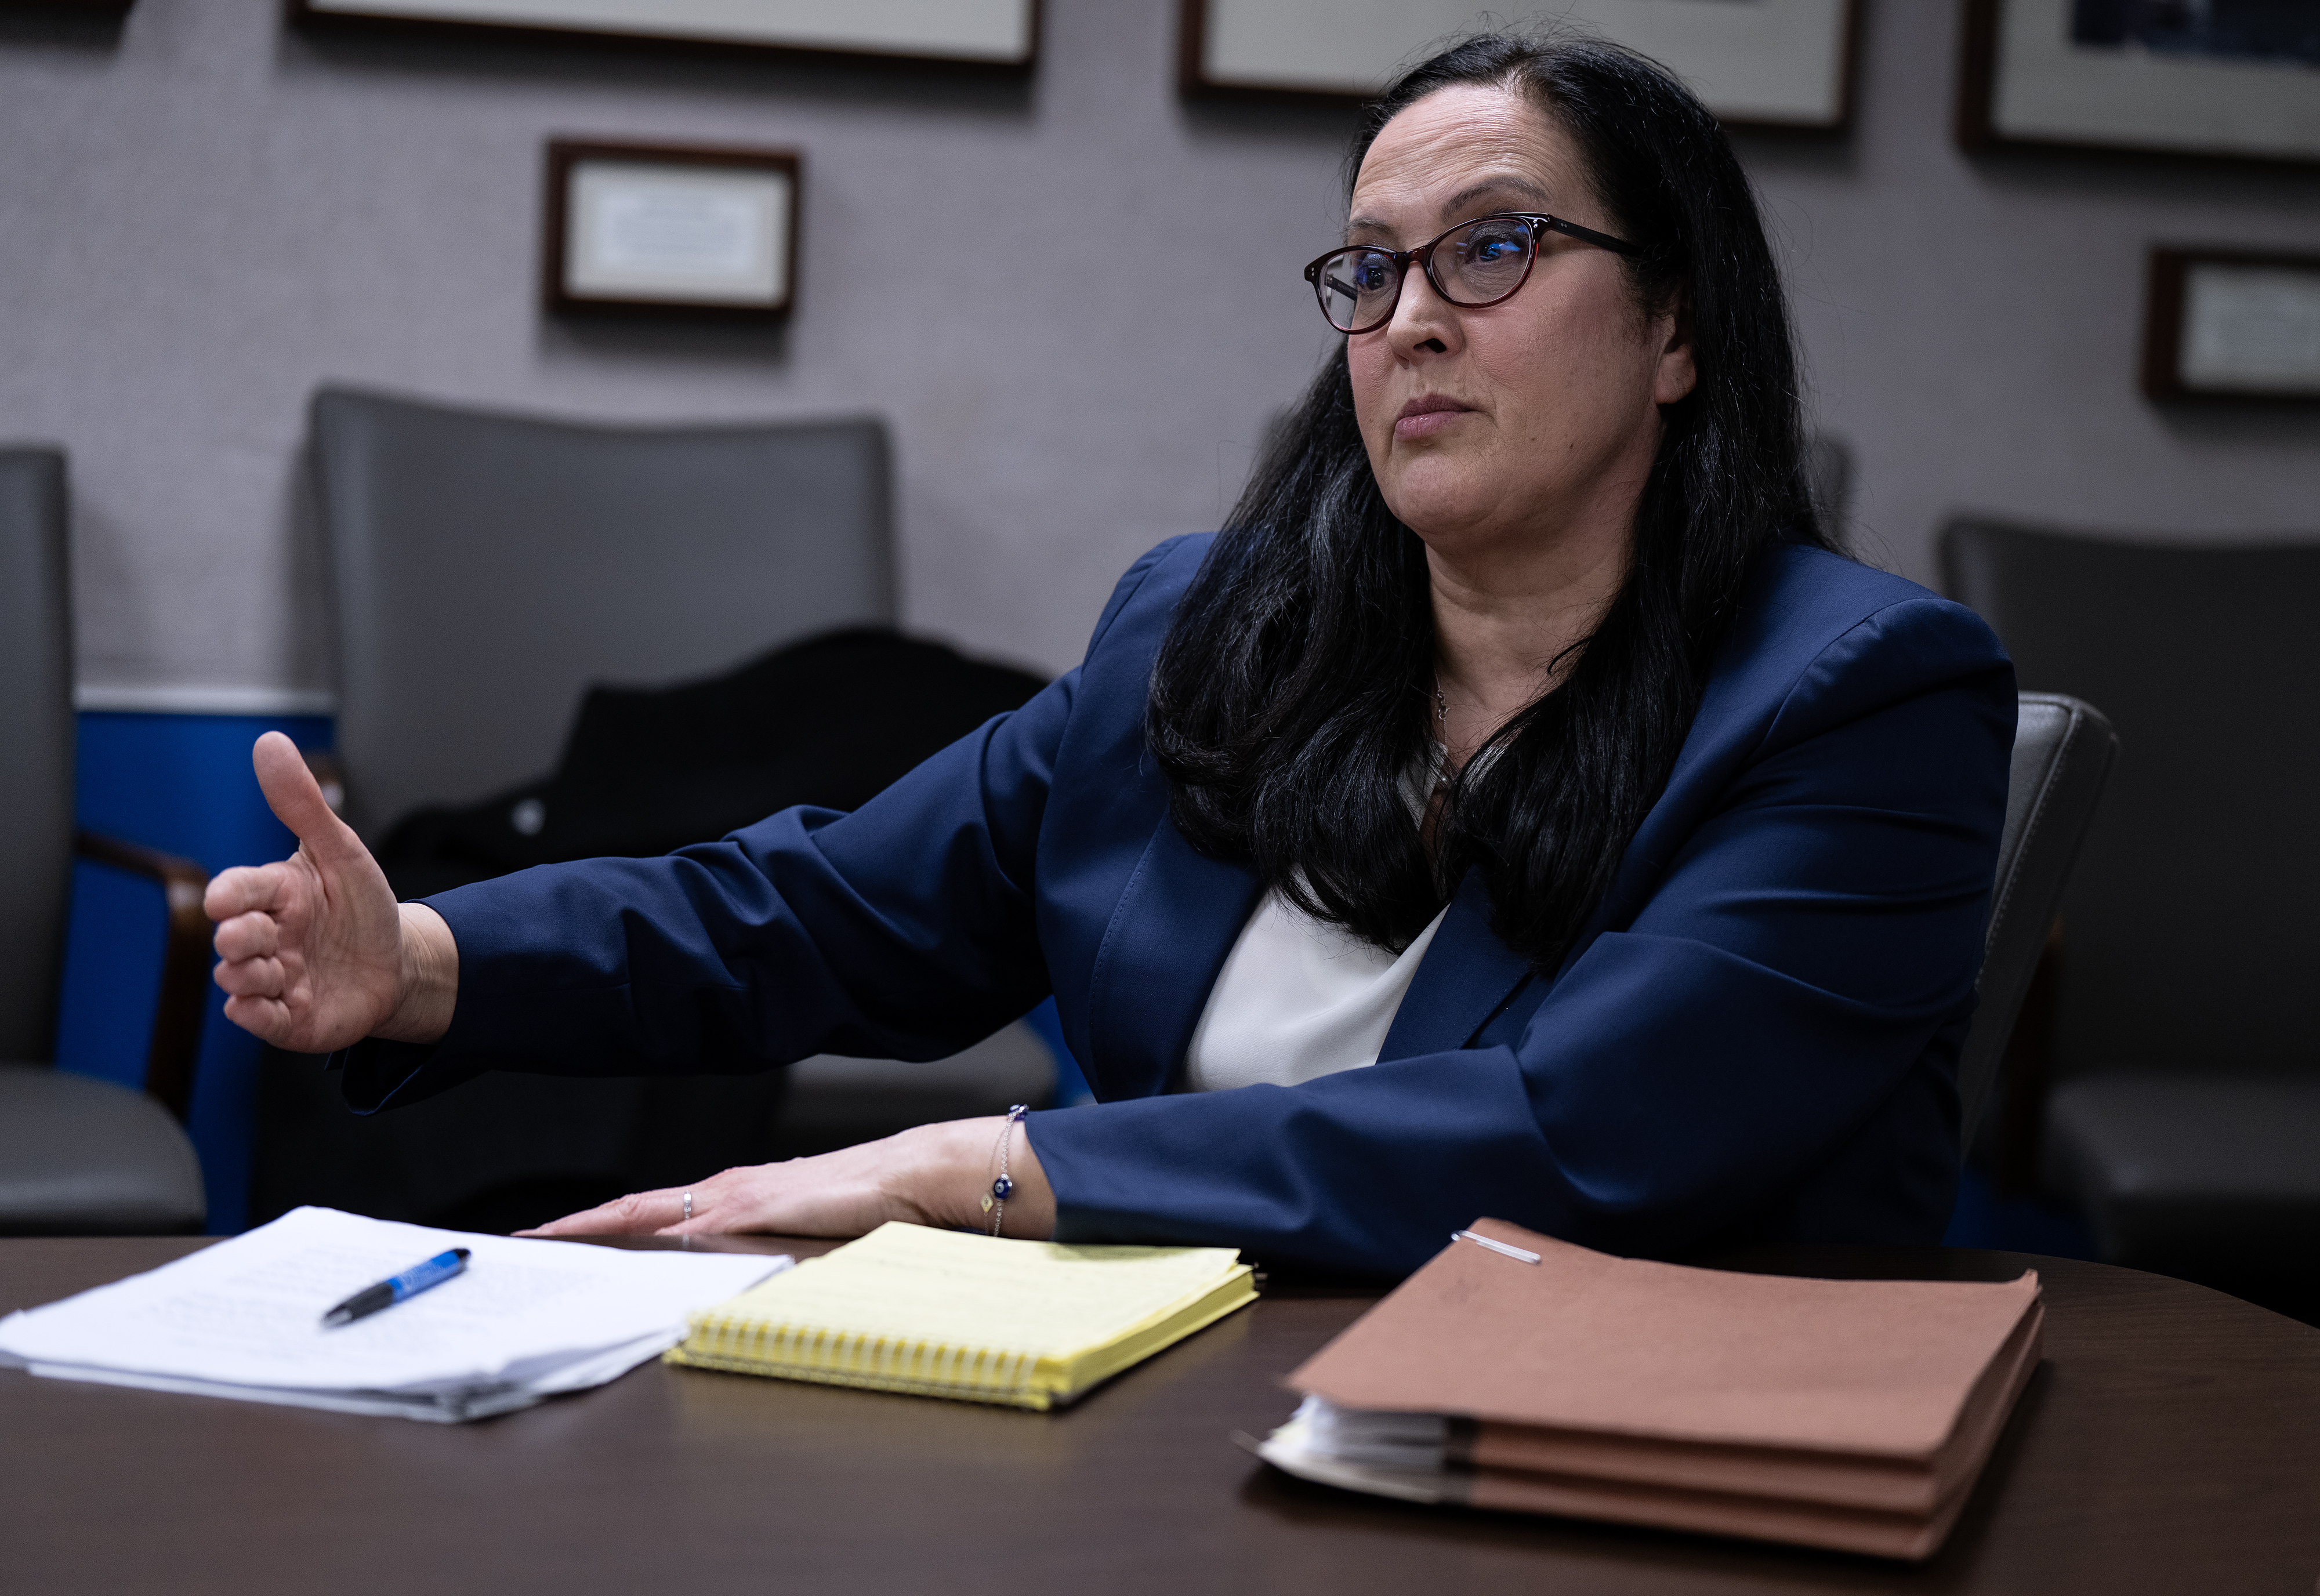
(1427, 415)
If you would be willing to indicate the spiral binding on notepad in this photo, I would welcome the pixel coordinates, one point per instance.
(813, 1352)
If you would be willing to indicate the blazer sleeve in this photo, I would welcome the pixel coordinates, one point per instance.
(904, 929)
(1803, 946)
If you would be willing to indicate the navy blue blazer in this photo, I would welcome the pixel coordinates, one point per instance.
(1756, 1036)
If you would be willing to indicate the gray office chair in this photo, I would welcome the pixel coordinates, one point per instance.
(77, 1155)
(2062, 754)
(2185, 1121)
(486, 570)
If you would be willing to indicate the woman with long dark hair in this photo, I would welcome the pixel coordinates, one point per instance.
(1521, 809)
(1297, 682)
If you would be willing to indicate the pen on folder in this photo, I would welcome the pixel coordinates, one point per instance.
(395, 1288)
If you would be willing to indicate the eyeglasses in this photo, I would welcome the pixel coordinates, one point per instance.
(1485, 260)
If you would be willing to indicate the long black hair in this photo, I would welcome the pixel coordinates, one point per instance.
(1292, 697)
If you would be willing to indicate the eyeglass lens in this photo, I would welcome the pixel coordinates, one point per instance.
(1479, 264)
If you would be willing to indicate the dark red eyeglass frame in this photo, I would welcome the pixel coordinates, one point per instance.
(1422, 255)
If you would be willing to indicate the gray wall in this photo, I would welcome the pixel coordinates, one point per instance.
(201, 217)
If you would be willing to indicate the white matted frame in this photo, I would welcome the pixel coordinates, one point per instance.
(994, 34)
(1760, 63)
(670, 229)
(2237, 324)
(2105, 75)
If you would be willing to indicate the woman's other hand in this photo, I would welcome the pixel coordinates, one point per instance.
(313, 953)
(936, 1175)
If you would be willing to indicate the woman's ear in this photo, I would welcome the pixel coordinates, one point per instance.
(1677, 375)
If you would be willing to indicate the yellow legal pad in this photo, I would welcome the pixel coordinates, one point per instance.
(1032, 1324)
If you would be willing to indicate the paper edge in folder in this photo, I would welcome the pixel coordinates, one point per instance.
(1285, 1449)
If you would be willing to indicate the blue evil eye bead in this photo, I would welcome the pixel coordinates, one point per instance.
(1003, 1188)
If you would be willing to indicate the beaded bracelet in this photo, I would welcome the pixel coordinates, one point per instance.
(994, 1200)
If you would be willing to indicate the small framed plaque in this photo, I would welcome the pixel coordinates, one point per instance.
(2233, 324)
(671, 229)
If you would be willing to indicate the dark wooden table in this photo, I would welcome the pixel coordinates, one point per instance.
(2171, 1443)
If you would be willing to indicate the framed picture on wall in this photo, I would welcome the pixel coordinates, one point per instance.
(670, 229)
(1763, 63)
(2231, 324)
(2238, 80)
(1000, 34)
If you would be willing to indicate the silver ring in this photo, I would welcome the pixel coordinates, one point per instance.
(688, 1209)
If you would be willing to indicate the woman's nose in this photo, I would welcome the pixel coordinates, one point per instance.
(1423, 321)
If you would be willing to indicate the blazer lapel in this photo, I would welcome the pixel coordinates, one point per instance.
(1744, 691)
(1468, 975)
(1168, 938)
(1465, 977)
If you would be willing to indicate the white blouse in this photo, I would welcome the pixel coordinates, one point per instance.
(1297, 999)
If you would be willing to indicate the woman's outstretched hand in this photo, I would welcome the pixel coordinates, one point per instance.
(314, 953)
(936, 1175)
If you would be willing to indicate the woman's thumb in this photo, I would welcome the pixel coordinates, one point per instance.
(292, 794)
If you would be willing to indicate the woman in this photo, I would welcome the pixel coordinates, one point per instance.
(1520, 804)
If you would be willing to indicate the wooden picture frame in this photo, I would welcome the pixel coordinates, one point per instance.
(1784, 64)
(994, 36)
(2240, 325)
(2095, 75)
(682, 230)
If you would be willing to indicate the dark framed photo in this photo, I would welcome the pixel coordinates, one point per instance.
(2241, 324)
(671, 229)
(1760, 63)
(1003, 35)
(2228, 80)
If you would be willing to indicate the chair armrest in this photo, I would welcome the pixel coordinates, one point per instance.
(184, 962)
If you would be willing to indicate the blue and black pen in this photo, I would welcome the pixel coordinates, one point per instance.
(396, 1288)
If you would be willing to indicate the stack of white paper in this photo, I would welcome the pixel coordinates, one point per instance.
(243, 1319)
